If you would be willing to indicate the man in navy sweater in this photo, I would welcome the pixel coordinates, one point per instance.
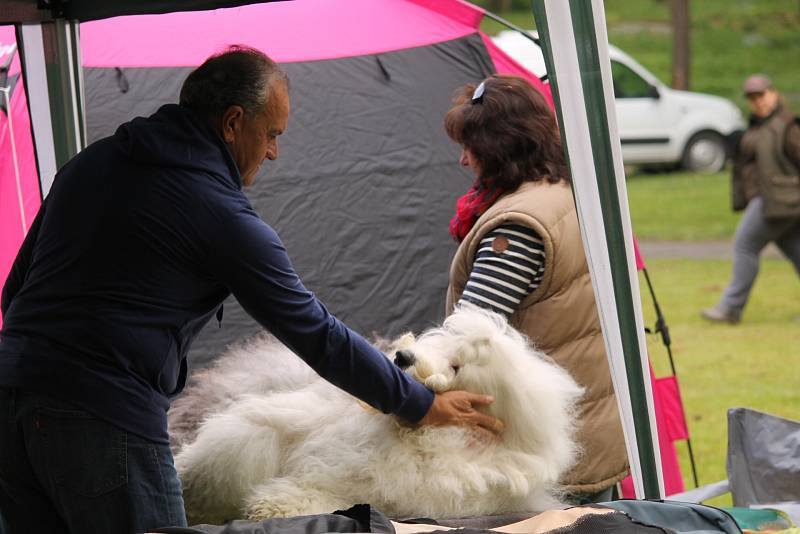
(141, 238)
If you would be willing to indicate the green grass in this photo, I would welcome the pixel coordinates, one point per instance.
(730, 39)
(754, 364)
(681, 206)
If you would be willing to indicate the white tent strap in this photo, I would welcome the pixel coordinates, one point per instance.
(39, 103)
(23, 219)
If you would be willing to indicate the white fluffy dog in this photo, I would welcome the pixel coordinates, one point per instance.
(307, 447)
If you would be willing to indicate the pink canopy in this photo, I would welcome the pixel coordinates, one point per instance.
(302, 30)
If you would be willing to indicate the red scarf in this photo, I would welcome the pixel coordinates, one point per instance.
(469, 208)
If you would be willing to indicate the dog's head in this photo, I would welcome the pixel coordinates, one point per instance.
(476, 350)
(466, 352)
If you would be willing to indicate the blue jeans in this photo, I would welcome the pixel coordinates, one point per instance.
(752, 235)
(64, 470)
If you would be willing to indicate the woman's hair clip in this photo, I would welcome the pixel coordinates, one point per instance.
(477, 96)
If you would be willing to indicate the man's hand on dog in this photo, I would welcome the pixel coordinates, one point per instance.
(458, 408)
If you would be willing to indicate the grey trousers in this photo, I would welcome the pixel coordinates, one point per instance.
(752, 235)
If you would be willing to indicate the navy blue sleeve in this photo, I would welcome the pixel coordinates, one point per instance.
(19, 270)
(252, 262)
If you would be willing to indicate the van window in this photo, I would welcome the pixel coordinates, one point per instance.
(628, 84)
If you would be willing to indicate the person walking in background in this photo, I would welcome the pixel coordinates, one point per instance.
(766, 185)
(521, 255)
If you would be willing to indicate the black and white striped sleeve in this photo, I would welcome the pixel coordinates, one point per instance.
(509, 265)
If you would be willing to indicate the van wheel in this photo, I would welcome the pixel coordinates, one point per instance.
(705, 153)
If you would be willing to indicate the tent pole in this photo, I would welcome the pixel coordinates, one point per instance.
(15, 161)
(580, 73)
(50, 54)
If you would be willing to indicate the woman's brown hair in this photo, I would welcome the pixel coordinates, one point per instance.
(510, 130)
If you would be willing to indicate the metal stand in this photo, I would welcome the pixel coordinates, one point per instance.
(662, 328)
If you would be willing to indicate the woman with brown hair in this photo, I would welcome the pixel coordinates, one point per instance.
(521, 255)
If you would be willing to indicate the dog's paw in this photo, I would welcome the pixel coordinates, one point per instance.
(437, 382)
(290, 504)
(265, 509)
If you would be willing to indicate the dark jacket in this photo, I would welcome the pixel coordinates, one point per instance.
(766, 163)
(141, 238)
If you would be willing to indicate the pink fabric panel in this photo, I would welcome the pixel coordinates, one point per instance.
(13, 222)
(459, 10)
(7, 41)
(503, 64)
(301, 30)
(672, 406)
(673, 481)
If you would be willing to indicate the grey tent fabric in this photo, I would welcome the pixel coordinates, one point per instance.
(763, 458)
(364, 187)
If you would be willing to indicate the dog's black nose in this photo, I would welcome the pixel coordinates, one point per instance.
(403, 358)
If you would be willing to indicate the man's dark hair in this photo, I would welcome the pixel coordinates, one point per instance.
(510, 130)
(237, 76)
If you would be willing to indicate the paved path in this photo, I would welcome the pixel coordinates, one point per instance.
(707, 250)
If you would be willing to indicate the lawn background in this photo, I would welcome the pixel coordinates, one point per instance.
(756, 363)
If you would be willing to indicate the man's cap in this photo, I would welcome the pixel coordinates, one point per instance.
(756, 83)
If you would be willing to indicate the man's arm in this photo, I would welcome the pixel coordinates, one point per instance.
(251, 261)
(19, 270)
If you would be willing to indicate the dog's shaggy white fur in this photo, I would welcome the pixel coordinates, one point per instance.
(306, 447)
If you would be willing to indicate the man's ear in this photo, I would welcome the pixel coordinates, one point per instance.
(232, 120)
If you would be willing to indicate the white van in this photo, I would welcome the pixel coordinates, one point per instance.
(657, 125)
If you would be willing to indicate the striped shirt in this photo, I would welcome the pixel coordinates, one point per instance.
(509, 265)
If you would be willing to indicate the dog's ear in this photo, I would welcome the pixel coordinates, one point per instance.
(476, 350)
(404, 341)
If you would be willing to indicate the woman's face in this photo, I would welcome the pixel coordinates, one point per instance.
(468, 159)
(762, 104)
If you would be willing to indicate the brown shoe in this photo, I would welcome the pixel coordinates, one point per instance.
(720, 315)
